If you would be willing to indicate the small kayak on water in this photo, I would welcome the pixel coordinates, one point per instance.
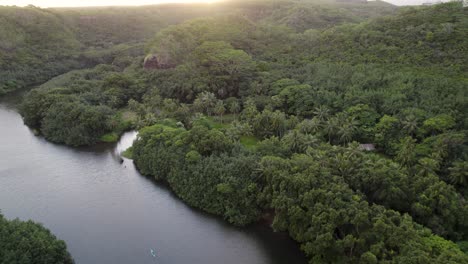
(153, 253)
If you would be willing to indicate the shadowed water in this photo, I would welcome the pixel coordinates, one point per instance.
(108, 213)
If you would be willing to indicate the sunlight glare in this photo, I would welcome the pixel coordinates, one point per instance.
(81, 3)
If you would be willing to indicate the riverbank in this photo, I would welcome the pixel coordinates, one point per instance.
(308, 194)
(108, 213)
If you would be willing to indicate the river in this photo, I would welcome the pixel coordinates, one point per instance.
(109, 213)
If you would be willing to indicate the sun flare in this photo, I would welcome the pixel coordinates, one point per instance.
(81, 3)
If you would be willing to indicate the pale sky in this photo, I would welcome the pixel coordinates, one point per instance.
(71, 3)
(60, 3)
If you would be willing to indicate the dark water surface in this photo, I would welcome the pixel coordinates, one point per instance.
(108, 213)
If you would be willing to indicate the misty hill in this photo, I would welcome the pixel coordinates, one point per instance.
(41, 43)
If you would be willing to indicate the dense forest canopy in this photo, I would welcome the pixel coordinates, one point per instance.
(30, 243)
(38, 44)
(343, 123)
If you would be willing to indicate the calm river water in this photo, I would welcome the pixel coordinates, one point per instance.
(108, 213)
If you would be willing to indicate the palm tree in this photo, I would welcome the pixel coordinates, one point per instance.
(198, 105)
(250, 110)
(183, 113)
(322, 113)
(150, 119)
(209, 100)
(427, 166)
(234, 107)
(234, 132)
(346, 133)
(170, 106)
(459, 173)
(310, 126)
(293, 140)
(298, 142)
(219, 109)
(406, 154)
(205, 102)
(316, 125)
(331, 127)
(278, 123)
(347, 127)
(410, 124)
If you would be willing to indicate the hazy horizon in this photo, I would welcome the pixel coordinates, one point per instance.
(90, 3)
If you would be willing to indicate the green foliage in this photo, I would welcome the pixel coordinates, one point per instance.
(264, 107)
(198, 168)
(439, 123)
(85, 125)
(335, 224)
(128, 153)
(28, 242)
(110, 137)
(38, 44)
(35, 46)
(83, 112)
(463, 245)
(170, 150)
(228, 69)
(249, 142)
(417, 36)
(326, 199)
(459, 173)
(224, 185)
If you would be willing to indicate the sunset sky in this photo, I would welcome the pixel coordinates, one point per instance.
(57, 3)
(60, 3)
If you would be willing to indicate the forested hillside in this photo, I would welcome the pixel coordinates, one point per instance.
(35, 45)
(344, 124)
(38, 44)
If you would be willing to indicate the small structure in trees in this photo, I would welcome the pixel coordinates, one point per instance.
(367, 147)
(155, 61)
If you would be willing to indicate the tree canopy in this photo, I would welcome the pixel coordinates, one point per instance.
(342, 124)
(28, 242)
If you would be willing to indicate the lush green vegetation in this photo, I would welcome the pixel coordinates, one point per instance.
(30, 243)
(339, 202)
(38, 44)
(35, 45)
(91, 115)
(128, 153)
(264, 108)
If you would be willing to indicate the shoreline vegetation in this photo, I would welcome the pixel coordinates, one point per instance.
(346, 123)
(239, 189)
(29, 242)
(128, 153)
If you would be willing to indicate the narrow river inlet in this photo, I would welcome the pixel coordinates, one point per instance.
(108, 213)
